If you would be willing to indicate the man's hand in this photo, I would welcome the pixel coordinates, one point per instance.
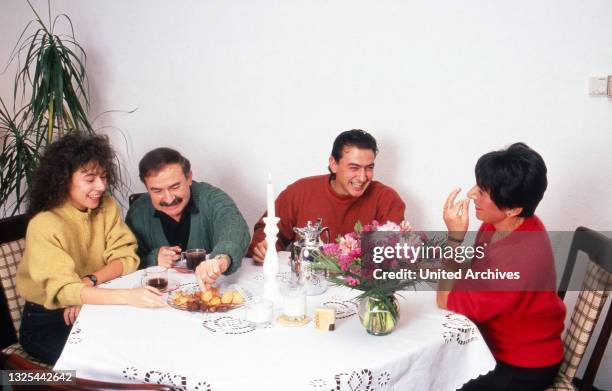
(208, 271)
(71, 313)
(167, 255)
(259, 251)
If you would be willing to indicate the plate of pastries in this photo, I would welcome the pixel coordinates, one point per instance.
(191, 298)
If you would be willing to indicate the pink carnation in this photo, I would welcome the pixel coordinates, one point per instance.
(405, 226)
(349, 244)
(351, 281)
(345, 260)
(355, 270)
(388, 226)
(332, 249)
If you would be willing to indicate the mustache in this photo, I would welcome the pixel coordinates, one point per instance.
(175, 201)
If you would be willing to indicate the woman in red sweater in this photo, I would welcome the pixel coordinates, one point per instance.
(521, 319)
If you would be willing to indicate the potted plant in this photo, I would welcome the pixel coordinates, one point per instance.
(51, 84)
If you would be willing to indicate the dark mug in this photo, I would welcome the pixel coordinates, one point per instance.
(193, 257)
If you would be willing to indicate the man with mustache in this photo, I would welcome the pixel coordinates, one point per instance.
(346, 195)
(179, 214)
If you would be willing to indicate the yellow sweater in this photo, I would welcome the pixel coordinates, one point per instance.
(65, 244)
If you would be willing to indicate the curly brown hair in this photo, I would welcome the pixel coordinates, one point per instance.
(51, 179)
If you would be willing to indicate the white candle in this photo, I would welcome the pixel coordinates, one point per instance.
(270, 197)
(295, 306)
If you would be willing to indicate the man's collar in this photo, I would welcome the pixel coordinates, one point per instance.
(191, 206)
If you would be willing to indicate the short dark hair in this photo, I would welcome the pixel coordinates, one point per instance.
(352, 138)
(52, 177)
(514, 177)
(154, 160)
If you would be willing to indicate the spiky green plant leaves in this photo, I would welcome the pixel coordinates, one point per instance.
(51, 84)
(54, 69)
(19, 155)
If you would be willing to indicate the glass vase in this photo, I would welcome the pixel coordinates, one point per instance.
(379, 315)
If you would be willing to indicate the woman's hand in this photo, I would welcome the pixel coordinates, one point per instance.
(71, 313)
(147, 297)
(456, 215)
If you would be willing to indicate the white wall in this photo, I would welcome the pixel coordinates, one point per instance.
(244, 88)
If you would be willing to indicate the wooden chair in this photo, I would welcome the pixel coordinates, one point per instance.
(134, 197)
(588, 308)
(12, 244)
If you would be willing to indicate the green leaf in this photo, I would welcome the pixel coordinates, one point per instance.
(358, 227)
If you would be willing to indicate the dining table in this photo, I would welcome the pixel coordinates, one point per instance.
(430, 348)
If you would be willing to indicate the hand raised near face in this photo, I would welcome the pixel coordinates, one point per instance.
(456, 215)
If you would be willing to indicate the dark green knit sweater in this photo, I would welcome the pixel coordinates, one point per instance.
(217, 227)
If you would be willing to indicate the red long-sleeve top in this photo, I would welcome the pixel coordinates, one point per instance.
(310, 198)
(522, 328)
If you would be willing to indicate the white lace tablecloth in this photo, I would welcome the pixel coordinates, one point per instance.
(431, 349)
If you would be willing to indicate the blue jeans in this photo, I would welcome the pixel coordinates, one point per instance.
(43, 332)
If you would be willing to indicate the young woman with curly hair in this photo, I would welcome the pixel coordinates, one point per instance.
(75, 240)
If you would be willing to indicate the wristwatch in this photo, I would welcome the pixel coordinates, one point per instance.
(93, 279)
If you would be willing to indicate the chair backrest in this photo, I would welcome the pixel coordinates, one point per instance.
(12, 244)
(589, 305)
(134, 197)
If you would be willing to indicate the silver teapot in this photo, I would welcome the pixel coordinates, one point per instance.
(303, 254)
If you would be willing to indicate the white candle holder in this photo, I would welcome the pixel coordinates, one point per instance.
(271, 265)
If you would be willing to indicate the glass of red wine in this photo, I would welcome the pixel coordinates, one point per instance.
(157, 277)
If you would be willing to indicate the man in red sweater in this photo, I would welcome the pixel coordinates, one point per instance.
(347, 195)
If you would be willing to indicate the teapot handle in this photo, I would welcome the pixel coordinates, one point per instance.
(326, 230)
